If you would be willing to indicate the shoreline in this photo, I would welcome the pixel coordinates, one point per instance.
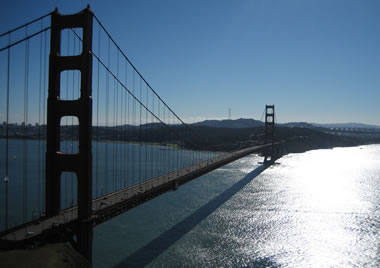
(308, 143)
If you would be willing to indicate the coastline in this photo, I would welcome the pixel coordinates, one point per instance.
(315, 142)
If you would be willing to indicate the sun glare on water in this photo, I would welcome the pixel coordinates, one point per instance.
(326, 198)
(329, 185)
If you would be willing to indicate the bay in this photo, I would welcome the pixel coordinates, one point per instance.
(315, 209)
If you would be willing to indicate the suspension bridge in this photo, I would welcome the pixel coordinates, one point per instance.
(85, 137)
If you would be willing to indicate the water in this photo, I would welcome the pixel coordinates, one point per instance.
(115, 166)
(316, 209)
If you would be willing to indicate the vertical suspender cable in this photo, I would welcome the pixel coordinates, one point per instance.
(97, 123)
(140, 142)
(146, 132)
(6, 179)
(117, 127)
(113, 135)
(121, 138)
(154, 139)
(126, 122)
(134, 130)
(114, 129)
(175, 156)
(164, 152)
(171, 159)
(127, 127)
(39, 130)
(146, 136)
(170, 147)
(168, 152)
(150, 140)
(130, 138)
(121, 132)
(44, 116)
(155, 148)
(25, 161)
(179, 145)
(165, 162)
(159, 139)
(145, 142)
(106, 123)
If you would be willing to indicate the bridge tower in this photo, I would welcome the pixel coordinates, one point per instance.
(56, 161)
(269, 133)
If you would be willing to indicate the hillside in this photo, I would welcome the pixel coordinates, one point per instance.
(230, 123)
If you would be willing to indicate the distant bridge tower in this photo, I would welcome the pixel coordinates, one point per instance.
(269, 133)
(56, 161)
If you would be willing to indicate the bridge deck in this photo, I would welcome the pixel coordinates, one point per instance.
(118, 202)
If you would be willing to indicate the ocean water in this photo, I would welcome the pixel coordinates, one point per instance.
(316, 209)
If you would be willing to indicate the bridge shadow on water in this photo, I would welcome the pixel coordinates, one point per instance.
(157, 246)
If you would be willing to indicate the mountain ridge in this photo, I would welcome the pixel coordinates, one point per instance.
(249, 123)
(230, 123)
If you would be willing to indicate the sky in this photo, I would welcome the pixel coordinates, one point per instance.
(315, 60)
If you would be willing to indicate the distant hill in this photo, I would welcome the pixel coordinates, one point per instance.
(249, 123)
(299, 125)
(322, 127)
(227, 123)
(347, 125)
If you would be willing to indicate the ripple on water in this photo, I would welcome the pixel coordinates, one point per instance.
(315, 209)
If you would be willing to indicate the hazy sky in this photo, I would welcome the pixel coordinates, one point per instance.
(316, 60)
